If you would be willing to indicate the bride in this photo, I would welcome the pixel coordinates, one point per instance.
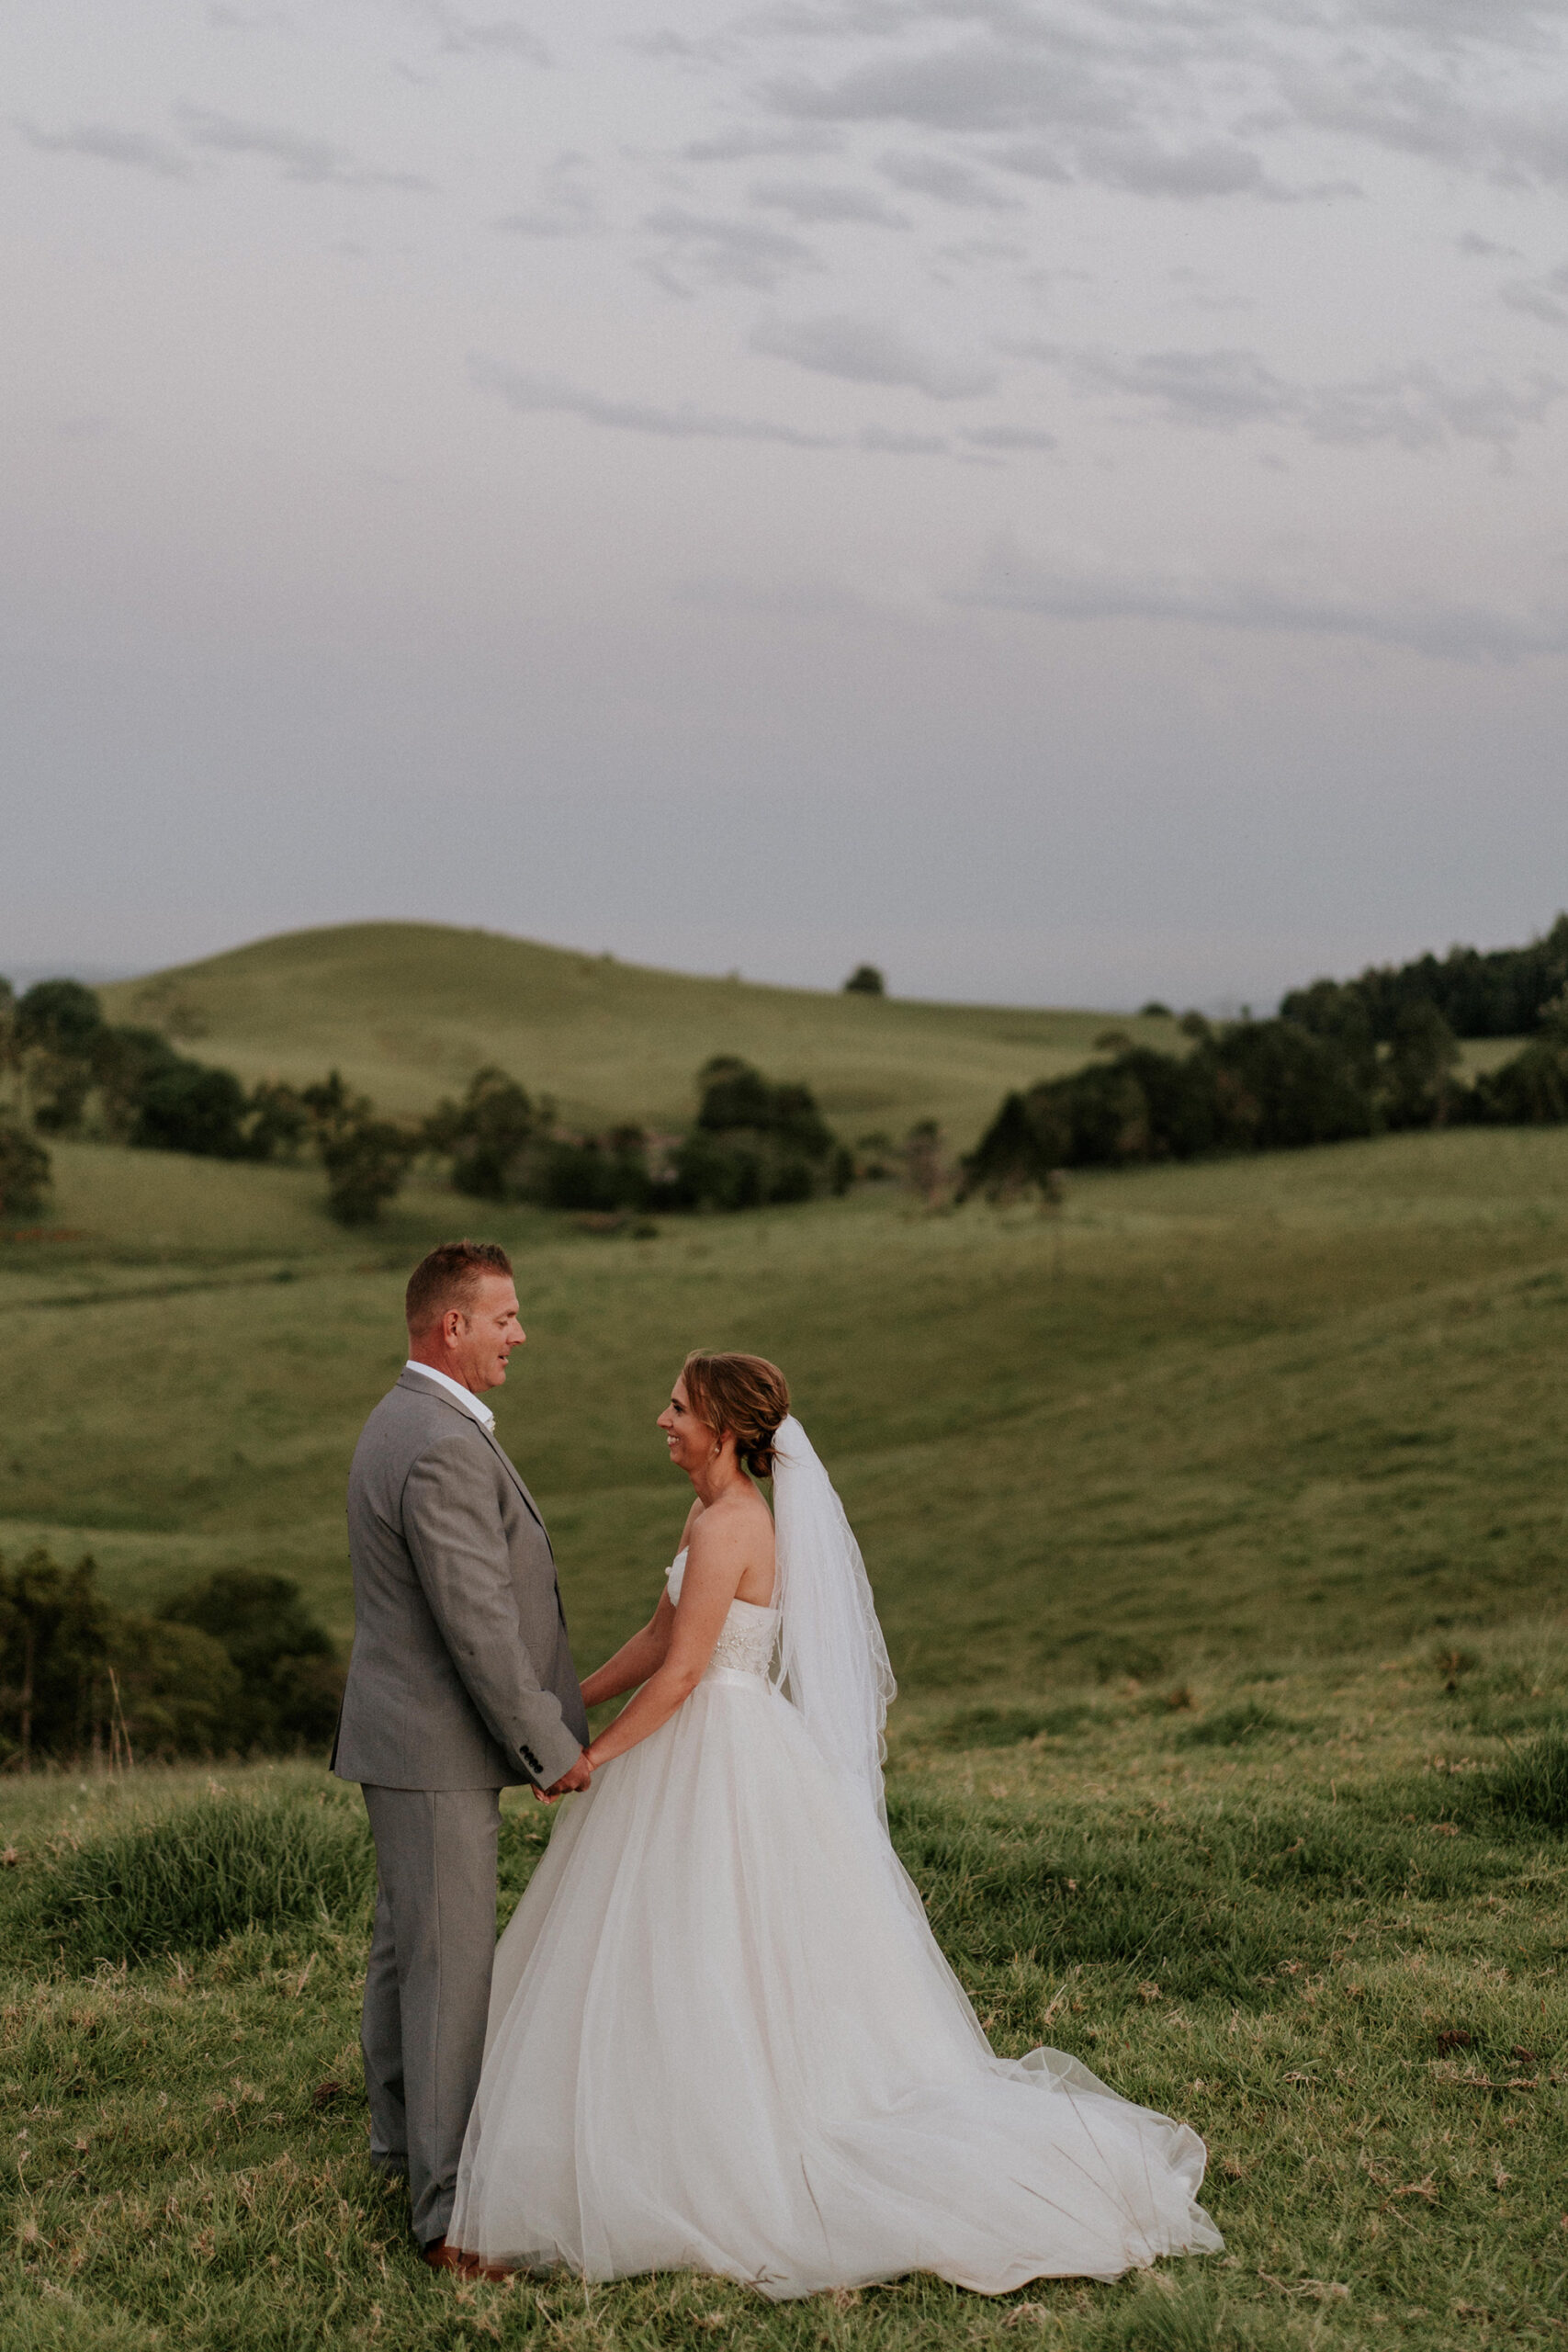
(722, 2037)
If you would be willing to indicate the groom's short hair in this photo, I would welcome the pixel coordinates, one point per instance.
(449, 1277)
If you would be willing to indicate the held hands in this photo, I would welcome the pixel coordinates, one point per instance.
(580, 1773)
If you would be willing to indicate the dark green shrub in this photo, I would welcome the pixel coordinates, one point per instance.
(366, 1157)
(865, 980)
(285, 1665)
(60, 1017)
(366, 1161)
(77, 1676)
(277, 1122)
(125, 1064)
(736, 1099)
(495, 1136)
(24, 1172)
(186, 1106)
(1530, 1091)
(753, 1142)
(599, 1176)
(211, 1870)
(717, 1172)
(1280, 1088)
(1415, 1081)
(54, 1029)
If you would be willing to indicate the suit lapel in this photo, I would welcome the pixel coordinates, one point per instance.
(431, 1388)
(516, 1476)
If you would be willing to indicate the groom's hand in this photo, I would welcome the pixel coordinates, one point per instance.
(579, 1777)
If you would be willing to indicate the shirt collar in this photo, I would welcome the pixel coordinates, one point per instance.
(455, 1389)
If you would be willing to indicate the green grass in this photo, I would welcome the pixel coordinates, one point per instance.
(1218, 1526)
(1339, 1959)
(409, 1011)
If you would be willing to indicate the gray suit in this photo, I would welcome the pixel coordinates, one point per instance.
(460, 1683)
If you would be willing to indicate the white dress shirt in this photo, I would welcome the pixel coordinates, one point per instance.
(455, 1388)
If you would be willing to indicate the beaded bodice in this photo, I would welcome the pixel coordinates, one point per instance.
(746, 1639)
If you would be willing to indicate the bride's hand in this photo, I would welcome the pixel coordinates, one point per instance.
(580, 1773)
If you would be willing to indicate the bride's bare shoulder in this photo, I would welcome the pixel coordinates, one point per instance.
(735, 1533)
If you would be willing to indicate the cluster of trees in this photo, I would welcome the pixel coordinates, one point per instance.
(234, 1664)
(1500, 993)
(752, 1142)
(1319, 1076)
(75, 1072)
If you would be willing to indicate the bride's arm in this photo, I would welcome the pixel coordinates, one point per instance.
(647, 1651)
(715, 1564)
(635, 1660)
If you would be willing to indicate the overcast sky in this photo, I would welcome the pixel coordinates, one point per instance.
(1062, 498)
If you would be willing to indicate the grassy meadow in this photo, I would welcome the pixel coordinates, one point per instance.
(407, 1011)
(1217, 1521)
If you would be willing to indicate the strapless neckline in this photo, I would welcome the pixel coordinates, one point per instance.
(744, 1650)
(675, 1572)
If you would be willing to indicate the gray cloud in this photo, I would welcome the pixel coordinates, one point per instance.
(882, 443)
(869, 351)
(544, 395)
(1222, 391)
(464, 36)
(1076, 110)
(740, 146)
(1478, 248)
(249, 20)
(1011, 582)
(1011, 436)
(1095, 94)
(548, 395)
(680, 47)
(728, 253)
(1539, 298)
(106, 144)
(1396, 105)
(568, 203)
(980, 85)
(808, 200)
(949, 183)
(1214, 167)
(315, 163)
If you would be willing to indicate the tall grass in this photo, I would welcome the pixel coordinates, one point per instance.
(1529, 1788)
(185, 1880)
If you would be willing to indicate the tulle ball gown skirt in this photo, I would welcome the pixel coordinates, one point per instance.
(723, 2038)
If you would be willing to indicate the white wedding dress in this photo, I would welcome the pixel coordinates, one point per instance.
(722, 2038)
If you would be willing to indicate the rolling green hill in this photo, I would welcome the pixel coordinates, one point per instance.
(1204, 1411)
(409, 1011)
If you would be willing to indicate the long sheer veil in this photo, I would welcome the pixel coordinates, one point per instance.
(833, 1662)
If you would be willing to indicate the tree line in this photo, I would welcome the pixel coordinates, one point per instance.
(232, 1665)
(1500, 992)
(73, 1072)
(1319, 1075)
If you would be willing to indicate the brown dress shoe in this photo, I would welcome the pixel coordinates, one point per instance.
(442, 2257)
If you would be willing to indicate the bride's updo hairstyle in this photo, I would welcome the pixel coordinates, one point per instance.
(743, 1396)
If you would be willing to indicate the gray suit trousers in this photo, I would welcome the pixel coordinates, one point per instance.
(427, 1987)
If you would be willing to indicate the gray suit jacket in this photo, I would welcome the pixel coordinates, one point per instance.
(461, 1675)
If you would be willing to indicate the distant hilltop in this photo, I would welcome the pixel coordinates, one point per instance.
(407, 1011)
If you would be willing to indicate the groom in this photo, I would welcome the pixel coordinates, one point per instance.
(460, 1684)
